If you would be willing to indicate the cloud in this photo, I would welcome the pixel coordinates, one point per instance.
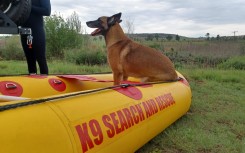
(190, 17)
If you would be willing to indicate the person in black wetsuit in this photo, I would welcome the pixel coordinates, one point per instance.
(37, 52)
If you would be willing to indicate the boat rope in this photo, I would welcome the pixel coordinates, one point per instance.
(38, 101)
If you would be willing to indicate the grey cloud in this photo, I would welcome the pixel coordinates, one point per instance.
(185, 16)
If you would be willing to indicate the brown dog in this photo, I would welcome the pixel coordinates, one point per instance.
(128, 58)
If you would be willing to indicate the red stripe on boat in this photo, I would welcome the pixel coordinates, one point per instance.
(83, 78)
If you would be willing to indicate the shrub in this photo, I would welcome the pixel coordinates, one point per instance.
(62, 34)
(157, 46)
(242, 50)
(208, 61)
(237, 63)
(86, 56)
(12, 49)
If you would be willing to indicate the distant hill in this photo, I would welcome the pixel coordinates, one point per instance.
(165, 36)
(160, 35)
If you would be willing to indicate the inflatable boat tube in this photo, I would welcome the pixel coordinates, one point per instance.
(86, 113)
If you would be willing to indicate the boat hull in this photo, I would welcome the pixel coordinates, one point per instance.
(103, 119)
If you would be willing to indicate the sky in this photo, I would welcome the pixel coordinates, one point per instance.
(191, 18)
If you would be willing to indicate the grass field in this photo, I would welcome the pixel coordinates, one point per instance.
(215, 122)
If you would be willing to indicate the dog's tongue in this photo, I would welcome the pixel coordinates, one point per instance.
(95, 32)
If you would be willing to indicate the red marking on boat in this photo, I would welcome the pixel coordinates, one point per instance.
(83, 78)
(57, 84)
(10, 88)
(130, 91)
(37, 76)
(185, 82)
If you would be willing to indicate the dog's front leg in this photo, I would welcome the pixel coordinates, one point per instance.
(125, 78)
(117, 76)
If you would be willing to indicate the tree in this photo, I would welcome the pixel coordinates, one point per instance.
(74, 23)
(62, 34)
(157, 36)
(177, 37)
(149, 37)
(129, 26)
(55, 27)
(169, 37)
(208, 36)
(218, 37)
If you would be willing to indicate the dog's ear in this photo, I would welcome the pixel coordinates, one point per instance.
(115, 18)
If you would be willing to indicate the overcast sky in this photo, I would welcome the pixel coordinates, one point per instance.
(192, 18)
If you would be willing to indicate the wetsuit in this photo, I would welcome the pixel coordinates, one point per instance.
(37, 53)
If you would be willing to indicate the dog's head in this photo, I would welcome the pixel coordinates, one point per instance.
(103, 24)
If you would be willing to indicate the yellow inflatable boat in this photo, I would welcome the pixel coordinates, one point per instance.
(85, 113)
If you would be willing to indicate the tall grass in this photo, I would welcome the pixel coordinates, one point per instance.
(201, 53)
(11, 49)
(93, 52)
(202, 48)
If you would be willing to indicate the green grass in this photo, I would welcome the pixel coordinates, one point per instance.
(55, 67)
(58, 67)
(237, 62)
(13, 67)
(215, 122)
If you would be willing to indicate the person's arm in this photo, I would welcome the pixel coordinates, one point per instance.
(44, 9)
